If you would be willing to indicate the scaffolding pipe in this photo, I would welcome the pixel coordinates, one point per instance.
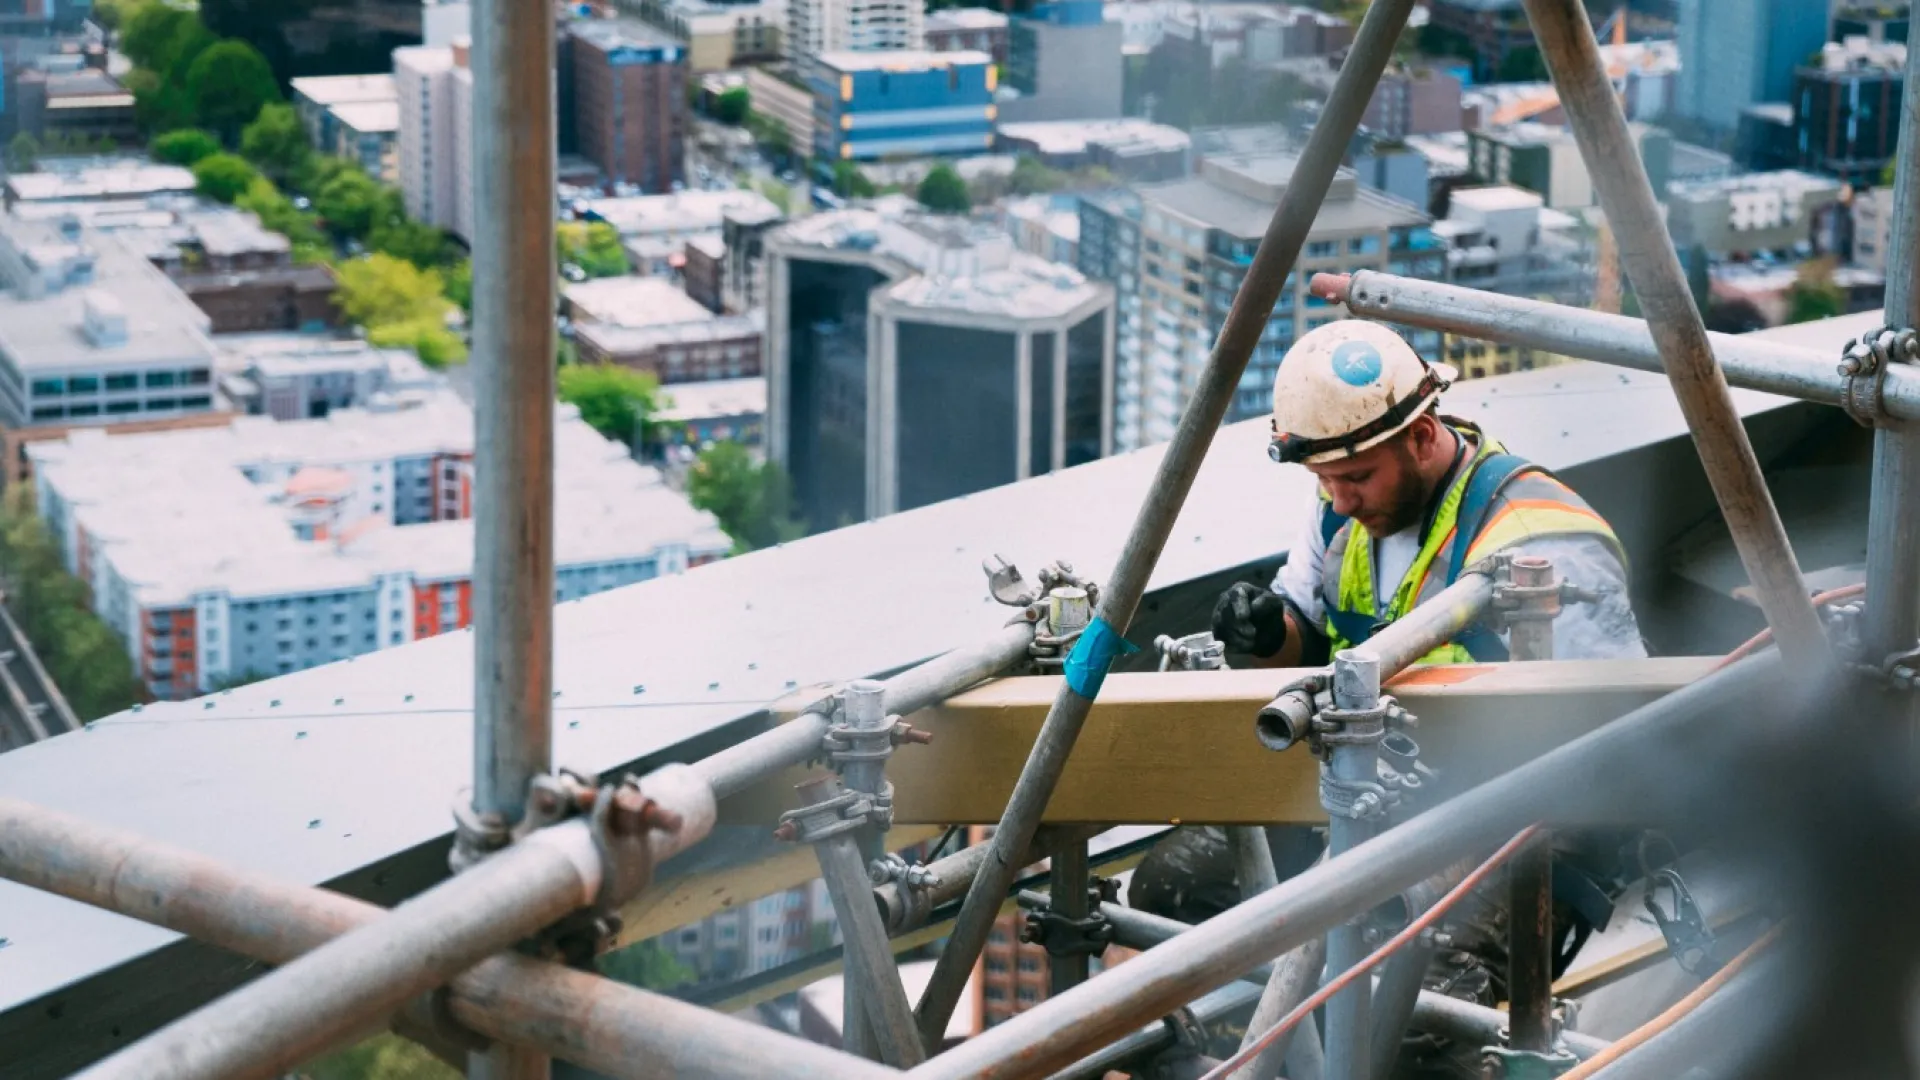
(1749, 363)
(1373, 46)
(908, 907)
(513, 359)
(1565, 35)
(1597, 776)
(1893, 544)
(1432, 1012)
(358, 980)
(747, 763)
(608, 1027)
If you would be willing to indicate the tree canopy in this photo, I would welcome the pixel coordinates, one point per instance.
(733, 106)
(753, 500)
(615, 401)
(400, 305)
(1814, 294)
(184, 146)
(849, 182)
(276, 141)
(227, 85)
(224, 177)
(23, 153)
(592, 246)
(350, 203)
(943, 191)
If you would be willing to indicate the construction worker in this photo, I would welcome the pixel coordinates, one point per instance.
(1409, 498)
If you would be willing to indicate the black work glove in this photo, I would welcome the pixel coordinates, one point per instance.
(1250, 619)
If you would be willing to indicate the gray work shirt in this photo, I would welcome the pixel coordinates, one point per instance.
(1603, 631)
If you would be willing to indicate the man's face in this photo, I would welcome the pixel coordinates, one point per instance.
(1381, 487)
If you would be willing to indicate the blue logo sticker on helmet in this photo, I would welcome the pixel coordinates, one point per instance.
(1357, 363)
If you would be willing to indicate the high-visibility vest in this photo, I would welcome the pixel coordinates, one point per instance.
(1497, 500)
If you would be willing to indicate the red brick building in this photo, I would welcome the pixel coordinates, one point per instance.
(280, 298)
(630, 102)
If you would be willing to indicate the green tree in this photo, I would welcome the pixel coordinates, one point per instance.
(379, 290)
(158, 105)
(157, 36)
(227, 84)
(752, 500)
(223, 177)
(733, 106)
(276, 141)
(111, 15)
(592, 246)
(278, 213)
(1031, 176)
(943, 191)
(428, 337)
(1814, 294)
(770, 134)
(185, 146)
(350, 203)
(647, 965)
(616, 401)
(23, 153)
(82, 655)
(850, 183)
(420, 244)
(459, 279)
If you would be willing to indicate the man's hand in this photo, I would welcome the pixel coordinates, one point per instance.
(1250, 619)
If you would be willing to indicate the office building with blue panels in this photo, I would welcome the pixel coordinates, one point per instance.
(904, 103)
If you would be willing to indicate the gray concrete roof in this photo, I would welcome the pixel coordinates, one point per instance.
(321, 774)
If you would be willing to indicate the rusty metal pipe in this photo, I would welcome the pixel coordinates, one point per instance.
(598, 1024)
(1566, 41)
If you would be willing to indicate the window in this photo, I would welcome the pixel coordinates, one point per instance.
(196, 401)
(83, 384)
(123, 406)
(1028, 995)
(1321, 249)
(1363, 245)
(1030, 964)
(160, 378)
(88, 409)
(163, 403)
(996, 993)
(49, 412)
(123, 382)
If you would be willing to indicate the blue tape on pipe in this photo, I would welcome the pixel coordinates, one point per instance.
(1091, 656)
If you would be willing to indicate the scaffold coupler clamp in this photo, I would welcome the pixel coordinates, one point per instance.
(1402, 774)
(1194, 652)
(1060, 607)
(844, 812)
(864, 736)
(1063, 935)
(913, 883)
(1360, 800)
(1865, 363)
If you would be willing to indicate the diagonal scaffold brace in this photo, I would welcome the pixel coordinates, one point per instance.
(1103, 640)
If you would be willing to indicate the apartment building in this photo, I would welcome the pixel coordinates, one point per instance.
(815, 27)
(434, 155)
(893, 338)
(648, 324)
(315, 97)
(1183, 249)
(264, 547)
(1745, 214)
(870, 105)
(630, 102)
(968, 29)
(1846, 109)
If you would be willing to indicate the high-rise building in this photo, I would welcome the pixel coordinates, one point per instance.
(435, 159)
(968, 29)
(1846, 109)
(824, 26)
(1196, 239)
(1547, 159)
(630, 101)
(1063, 63)
(894, 340)
(1737, 53)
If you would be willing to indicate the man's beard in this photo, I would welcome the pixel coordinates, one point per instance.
(1409, 500)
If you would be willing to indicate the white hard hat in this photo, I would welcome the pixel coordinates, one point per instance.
(1348, 386)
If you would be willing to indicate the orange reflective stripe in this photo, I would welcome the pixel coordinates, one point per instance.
(1537, 517)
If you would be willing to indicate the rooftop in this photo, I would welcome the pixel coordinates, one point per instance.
(1027, 287)
(719, 397)
(327, 90)
(1496, 197)
(1861, 54)
(966, 18)
(679, 213)
(177, 514)
(611, 34)
(902, 60)
(1790, 182)
(634, 301)
(46, 332)
(118, 179)
(369, 117)
(1074, 136)
(1224, 197)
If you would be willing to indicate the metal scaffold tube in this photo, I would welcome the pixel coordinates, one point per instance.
(1590, 778)
(1565, 34)
(744, 764)
(514, 168)
(1252, 306)
(610, 1028)
(1749, 363)
(1893, 542)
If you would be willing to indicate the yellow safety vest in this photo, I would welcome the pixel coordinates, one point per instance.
(1507, 500)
